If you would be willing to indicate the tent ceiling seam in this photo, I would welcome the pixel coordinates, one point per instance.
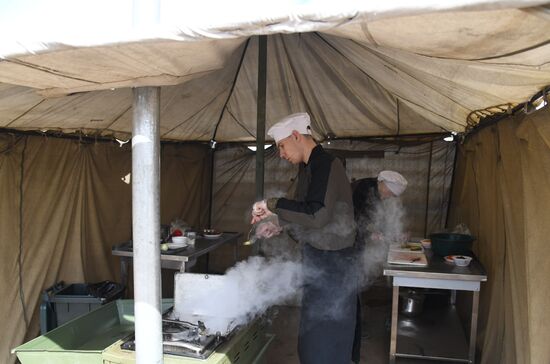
(24, 113)
(513, 53)
(47, 70)
(363, 72)
(239, 123)
(237, 73)
(368, 34)
(194, 114)
(138, 81)
(434, 113)
(388, 60)
(354, 64)
(116, 119)
(365, 111)
(301, 90)
(287, 73)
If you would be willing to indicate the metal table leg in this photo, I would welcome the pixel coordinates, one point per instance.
(124, 272)
(394, 318)
(453, 297)
(473, 326)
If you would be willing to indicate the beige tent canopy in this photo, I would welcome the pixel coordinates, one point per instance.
(379, 70)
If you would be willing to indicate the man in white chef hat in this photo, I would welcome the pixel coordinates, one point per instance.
(292, 135)
(320, 217)
(368, 192)
(368, 195)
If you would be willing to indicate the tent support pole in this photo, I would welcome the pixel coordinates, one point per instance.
(211, 196)
(260, 122)
(146, 224)
(428, 189)
(451, 189)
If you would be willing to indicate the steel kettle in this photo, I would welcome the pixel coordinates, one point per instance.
(411, 302)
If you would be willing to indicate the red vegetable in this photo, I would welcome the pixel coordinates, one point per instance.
(177, 232)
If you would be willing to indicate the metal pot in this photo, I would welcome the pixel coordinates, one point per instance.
(444, 244)
(411, 303)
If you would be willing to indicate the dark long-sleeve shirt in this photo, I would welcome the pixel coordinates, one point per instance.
(365, 197)
(321, 213)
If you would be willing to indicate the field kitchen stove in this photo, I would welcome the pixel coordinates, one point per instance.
(190, 343)
(185, 338)
(193, 332)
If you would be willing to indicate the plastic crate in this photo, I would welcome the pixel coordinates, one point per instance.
(83, 340)
(62, 303)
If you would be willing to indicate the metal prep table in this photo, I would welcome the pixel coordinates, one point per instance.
(178, 258)
(439, 274)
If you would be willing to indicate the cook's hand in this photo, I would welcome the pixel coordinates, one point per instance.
(266, 230)
(405, 237)
(377, 236)
(260, 211)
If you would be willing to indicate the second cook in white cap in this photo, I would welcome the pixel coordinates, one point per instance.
(394, 181)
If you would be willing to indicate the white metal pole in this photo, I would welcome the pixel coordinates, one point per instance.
(146, 224)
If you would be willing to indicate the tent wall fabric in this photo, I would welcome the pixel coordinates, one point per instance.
(65, 204)
(502, 194)
(375, 71)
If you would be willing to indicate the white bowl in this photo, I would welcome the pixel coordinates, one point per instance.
(426, 243)
(462, 260)
(178, 241)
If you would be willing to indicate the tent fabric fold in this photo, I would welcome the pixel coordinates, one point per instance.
(503, 196)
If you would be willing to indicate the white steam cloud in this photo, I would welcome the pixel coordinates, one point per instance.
(381, 228)
(244, 292)
(252, 286)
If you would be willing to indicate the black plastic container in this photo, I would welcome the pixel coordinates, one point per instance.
(62, 303)
(444, 244)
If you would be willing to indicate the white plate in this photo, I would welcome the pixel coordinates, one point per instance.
(212, 236)
(176, 245)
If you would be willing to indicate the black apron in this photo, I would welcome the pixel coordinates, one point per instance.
(329, 306)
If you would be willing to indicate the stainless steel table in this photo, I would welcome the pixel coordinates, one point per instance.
(438, 274)
(178, 258)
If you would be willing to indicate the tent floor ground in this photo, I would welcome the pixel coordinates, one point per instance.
(375, 343)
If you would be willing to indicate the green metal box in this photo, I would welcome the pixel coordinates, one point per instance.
(83, 340)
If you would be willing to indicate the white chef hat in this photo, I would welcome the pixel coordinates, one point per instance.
(282, 129)
(394, 181)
